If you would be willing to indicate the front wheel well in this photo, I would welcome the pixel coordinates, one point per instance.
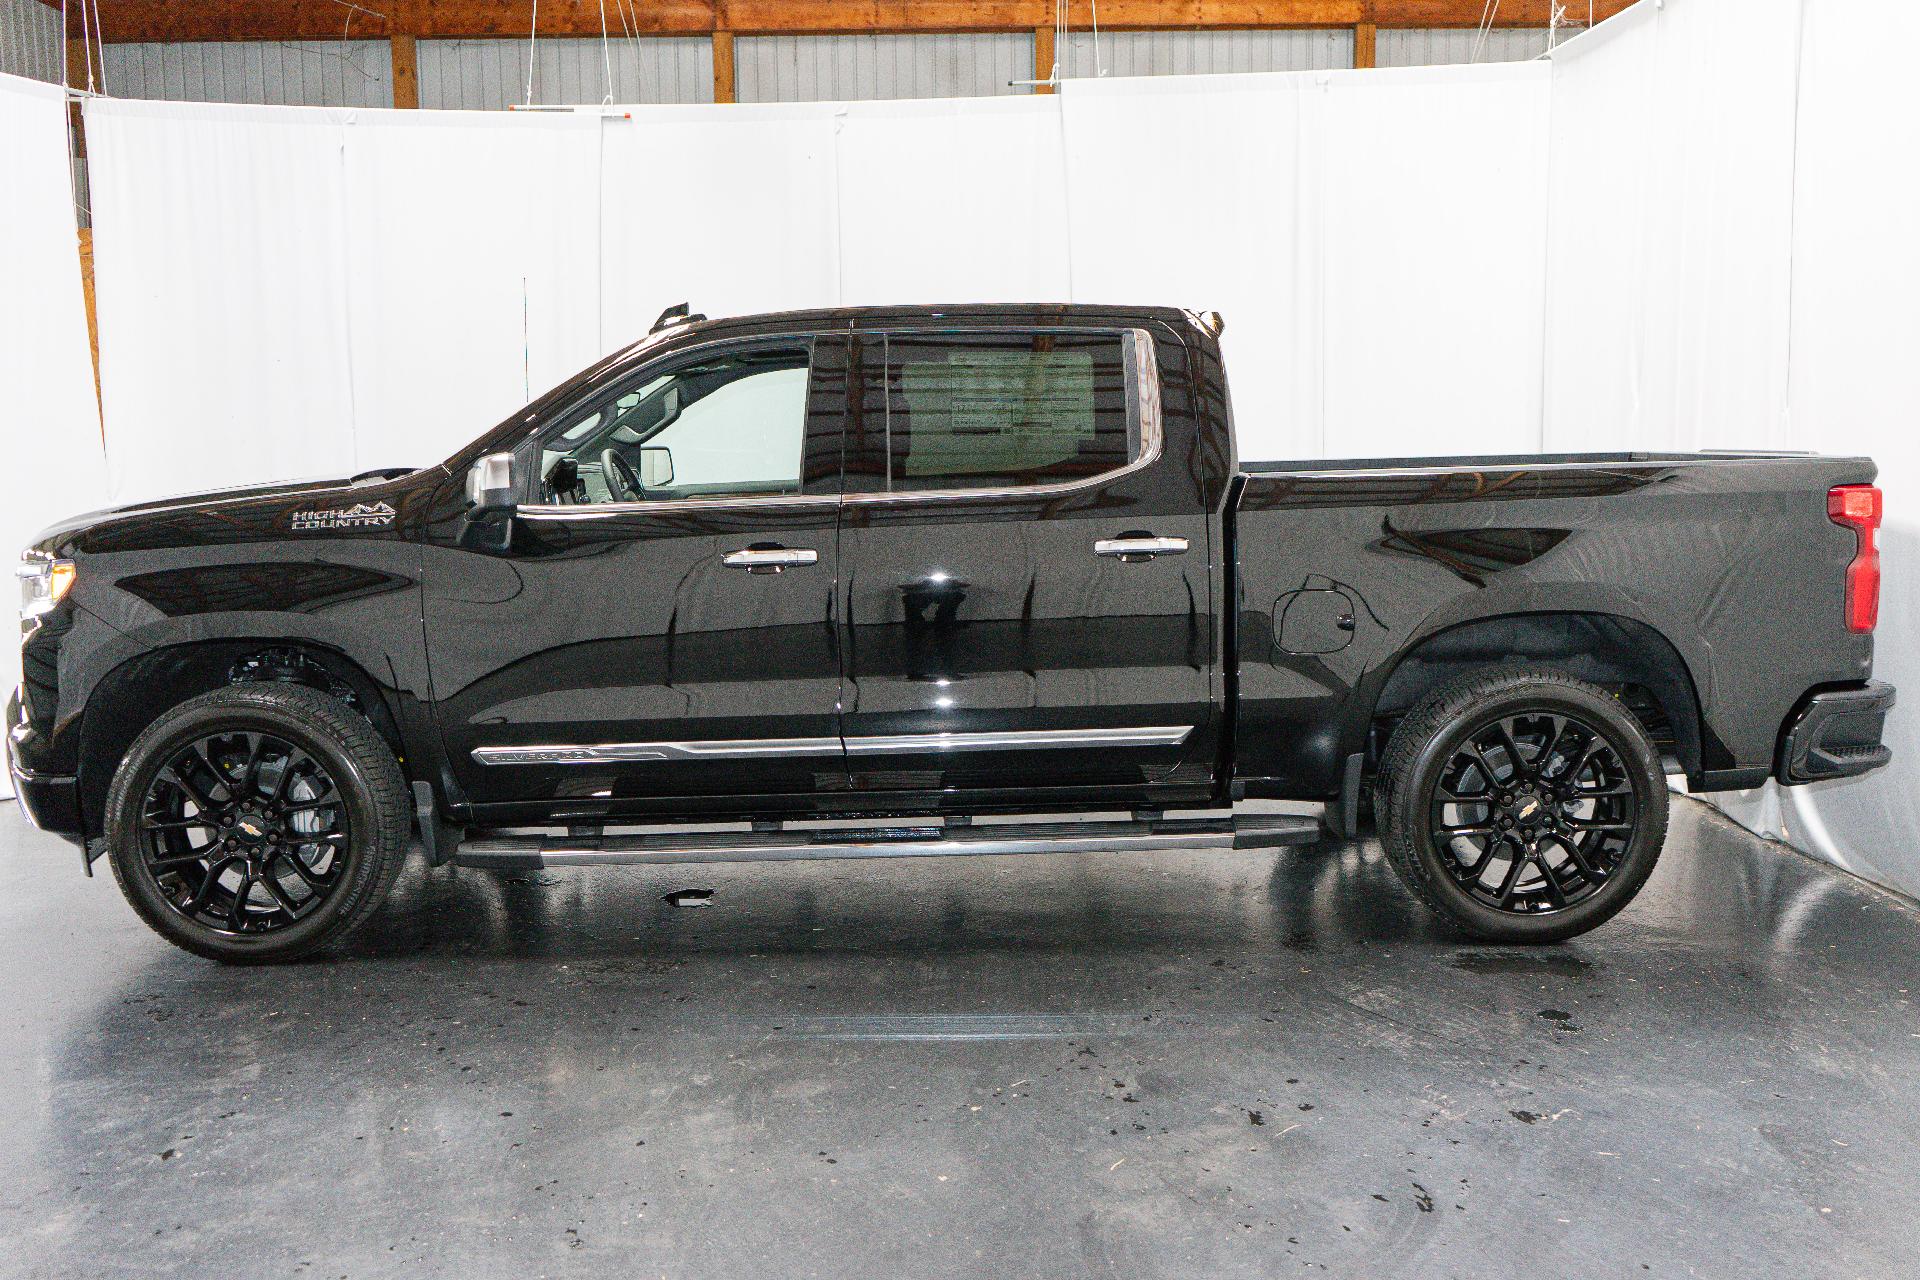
(141, 690)
(1629, 659)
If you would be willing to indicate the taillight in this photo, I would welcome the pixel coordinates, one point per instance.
(1857, 506)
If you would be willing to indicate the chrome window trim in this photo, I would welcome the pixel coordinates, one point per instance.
(609, 510)
(886, 744)
(1143, 401)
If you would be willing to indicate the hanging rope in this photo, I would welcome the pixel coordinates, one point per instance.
(606, 53)
(86, 44)
(533, 32)
(1062, 54)
(1487, 14)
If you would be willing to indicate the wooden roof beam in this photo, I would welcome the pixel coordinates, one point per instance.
(178, 20)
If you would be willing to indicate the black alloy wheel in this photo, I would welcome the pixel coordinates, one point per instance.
(1533, 812)
(1522, 805)
(258, 822)
(245, 832)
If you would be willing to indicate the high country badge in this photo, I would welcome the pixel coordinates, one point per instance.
(360, 515)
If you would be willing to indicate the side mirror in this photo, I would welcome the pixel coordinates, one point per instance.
(656, 466)
(490, 484)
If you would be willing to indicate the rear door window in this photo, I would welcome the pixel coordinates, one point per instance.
(1001, 410)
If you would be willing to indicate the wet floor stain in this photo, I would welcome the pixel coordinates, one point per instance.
(1556, 964)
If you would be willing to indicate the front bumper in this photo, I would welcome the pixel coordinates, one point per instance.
(51, 802)
(1836, 734)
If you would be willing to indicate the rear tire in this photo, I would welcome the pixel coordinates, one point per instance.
(1522, 805)
(257, 823)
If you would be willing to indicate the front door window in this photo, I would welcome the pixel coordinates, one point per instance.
(729, 425)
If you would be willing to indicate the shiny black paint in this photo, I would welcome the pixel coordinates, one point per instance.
(1310, 592)
(992, 613)
(1731, 560)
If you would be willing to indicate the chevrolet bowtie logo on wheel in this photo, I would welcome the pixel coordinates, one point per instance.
(360, 515)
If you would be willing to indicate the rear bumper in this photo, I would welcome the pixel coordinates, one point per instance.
(1836, 734)
(50, 802)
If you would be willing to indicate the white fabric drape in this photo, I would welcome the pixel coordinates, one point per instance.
(304, 291)
(49, 420)
(220, 283)
(948, 201)
(733, 214)
(472, 271)
(1345, 223)
(1732, 266)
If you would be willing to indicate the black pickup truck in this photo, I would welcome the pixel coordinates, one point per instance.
(884, 582)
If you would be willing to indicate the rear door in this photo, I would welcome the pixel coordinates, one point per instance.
(659, 634)
(1026, 595)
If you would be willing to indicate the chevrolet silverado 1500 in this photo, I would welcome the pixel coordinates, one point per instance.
(916, 581)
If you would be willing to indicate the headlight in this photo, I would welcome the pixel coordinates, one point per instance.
(44, 583)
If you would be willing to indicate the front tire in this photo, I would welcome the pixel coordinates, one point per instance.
(1522, 805)
(257, 823)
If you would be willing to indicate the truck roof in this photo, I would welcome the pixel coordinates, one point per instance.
(1040, 313)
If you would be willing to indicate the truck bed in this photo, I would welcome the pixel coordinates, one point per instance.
(1725, 566)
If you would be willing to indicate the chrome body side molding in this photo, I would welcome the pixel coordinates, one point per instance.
(893, 744)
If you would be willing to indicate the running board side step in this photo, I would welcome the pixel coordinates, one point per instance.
(1252, 831)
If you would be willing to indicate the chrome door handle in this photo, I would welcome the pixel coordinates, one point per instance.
(1139, 548)
(771, 559)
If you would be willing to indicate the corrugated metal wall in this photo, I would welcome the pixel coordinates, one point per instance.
(30, 40)
(1173, 53)
(822, 68)
(306, 73)
(492, 74)
(1424, 47)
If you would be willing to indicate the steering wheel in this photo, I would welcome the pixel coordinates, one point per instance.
(619, 475)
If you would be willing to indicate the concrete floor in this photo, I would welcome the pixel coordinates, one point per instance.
(1134, 1065)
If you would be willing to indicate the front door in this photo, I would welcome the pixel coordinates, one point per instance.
(659, 633)
(1026, 592)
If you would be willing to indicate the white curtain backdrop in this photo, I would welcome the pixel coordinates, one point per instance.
(1733, 265)
(1345, 223)
(733, 213)
(1688, 230)
(313, 290)
(457, 318)
(49, 422)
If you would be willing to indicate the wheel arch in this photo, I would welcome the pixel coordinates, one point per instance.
(1632, 658)
(140, 690)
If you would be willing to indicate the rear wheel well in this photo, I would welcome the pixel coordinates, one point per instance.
(140, 691)
(1629, 659)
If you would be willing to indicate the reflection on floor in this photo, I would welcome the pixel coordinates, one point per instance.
(1133, 1065)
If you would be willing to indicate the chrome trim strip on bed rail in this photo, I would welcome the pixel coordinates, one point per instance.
(888, 744)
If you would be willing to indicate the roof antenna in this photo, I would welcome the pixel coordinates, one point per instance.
(675, 314)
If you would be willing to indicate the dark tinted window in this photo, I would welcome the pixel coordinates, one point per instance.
(967, 411)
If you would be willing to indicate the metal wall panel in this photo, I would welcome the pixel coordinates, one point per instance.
(1172, 53)
(847, 68)
(490, 75)
(1423, 47)
(306, 73)
(30, 40)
